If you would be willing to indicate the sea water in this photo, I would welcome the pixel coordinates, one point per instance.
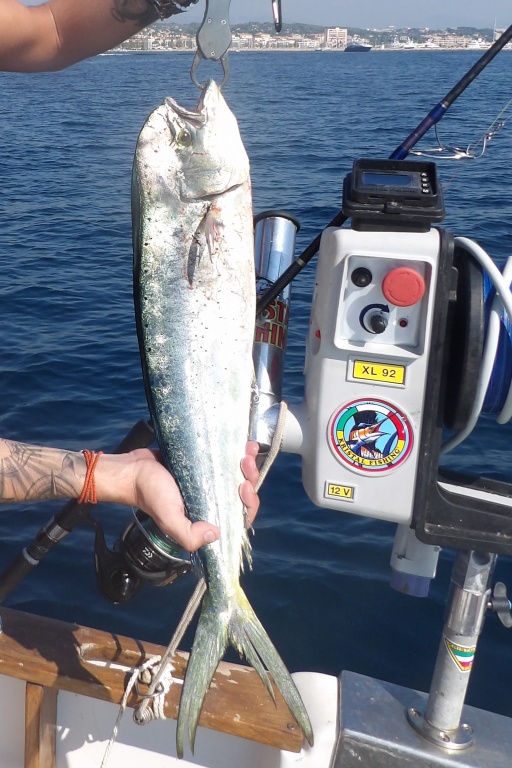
(70, 369)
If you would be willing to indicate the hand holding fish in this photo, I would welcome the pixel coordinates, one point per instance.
(157, 494)
(137, 479)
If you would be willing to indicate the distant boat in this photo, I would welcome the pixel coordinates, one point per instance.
(357, 48)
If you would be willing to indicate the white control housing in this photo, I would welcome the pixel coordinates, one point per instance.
(365, 371)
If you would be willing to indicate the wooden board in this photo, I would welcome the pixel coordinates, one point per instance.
(64, 656)
(40, 726)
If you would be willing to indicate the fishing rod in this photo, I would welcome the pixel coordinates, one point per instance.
(433, 117)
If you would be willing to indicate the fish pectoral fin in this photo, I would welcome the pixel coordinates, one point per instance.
(205, 238)
(196, 250)
(213, 229)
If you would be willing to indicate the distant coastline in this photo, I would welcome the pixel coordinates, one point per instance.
(257, 37)
(122, 51)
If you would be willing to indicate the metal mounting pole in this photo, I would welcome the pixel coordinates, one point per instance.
(373, 729)
(467, 603)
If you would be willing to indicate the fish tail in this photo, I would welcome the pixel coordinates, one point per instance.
(210, 643)
(248, 636)
(239, 626)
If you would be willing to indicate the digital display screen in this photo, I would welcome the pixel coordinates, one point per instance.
(382, 179)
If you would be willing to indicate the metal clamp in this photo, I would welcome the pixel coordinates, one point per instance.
(213, 38)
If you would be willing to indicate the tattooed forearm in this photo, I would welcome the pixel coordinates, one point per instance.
(140, 12)
(29, 472)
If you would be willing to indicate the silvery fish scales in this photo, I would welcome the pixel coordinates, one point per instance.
(195, 307)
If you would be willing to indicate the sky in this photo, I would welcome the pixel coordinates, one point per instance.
(373, 13)
(367, 14)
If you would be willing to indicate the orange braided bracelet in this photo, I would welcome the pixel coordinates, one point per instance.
(89, 490)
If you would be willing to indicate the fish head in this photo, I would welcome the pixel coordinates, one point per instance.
(197, 153)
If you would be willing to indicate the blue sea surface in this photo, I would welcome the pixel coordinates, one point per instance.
(70, 365)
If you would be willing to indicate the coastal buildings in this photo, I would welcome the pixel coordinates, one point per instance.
(336, 38)
(162, 37)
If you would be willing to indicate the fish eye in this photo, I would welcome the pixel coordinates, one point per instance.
(184, 138)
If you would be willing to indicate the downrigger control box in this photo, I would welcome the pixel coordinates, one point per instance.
(369, 342)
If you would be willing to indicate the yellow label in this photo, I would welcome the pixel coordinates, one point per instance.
(339, 491)
(390, 374)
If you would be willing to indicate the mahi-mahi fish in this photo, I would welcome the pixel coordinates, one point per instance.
(195, 307)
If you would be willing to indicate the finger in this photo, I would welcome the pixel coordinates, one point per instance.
(250, 499)
(190, 535)
(202, 533)
(249, 468)
(252, 448)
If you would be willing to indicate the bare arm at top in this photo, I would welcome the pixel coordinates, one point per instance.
(137, 479)
(59, 33)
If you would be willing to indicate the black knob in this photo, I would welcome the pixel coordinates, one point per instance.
(378, 322)
(500, 604)
(361, 277)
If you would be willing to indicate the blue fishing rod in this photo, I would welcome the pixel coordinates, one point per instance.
(433, 117)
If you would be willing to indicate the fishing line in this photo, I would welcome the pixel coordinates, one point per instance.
(451, 152)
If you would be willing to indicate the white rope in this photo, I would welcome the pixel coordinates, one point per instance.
(159, 679)
(275, 447)
(159, 682)
(137, 672)
(146, 709)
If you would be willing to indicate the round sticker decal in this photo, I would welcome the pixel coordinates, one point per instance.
(370, 435)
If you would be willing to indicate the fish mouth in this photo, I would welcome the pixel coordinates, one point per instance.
(198, 116)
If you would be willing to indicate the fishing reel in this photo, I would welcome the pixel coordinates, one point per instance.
(407, 346)
(142, 555)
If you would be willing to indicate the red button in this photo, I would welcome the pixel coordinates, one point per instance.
(403, 286)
